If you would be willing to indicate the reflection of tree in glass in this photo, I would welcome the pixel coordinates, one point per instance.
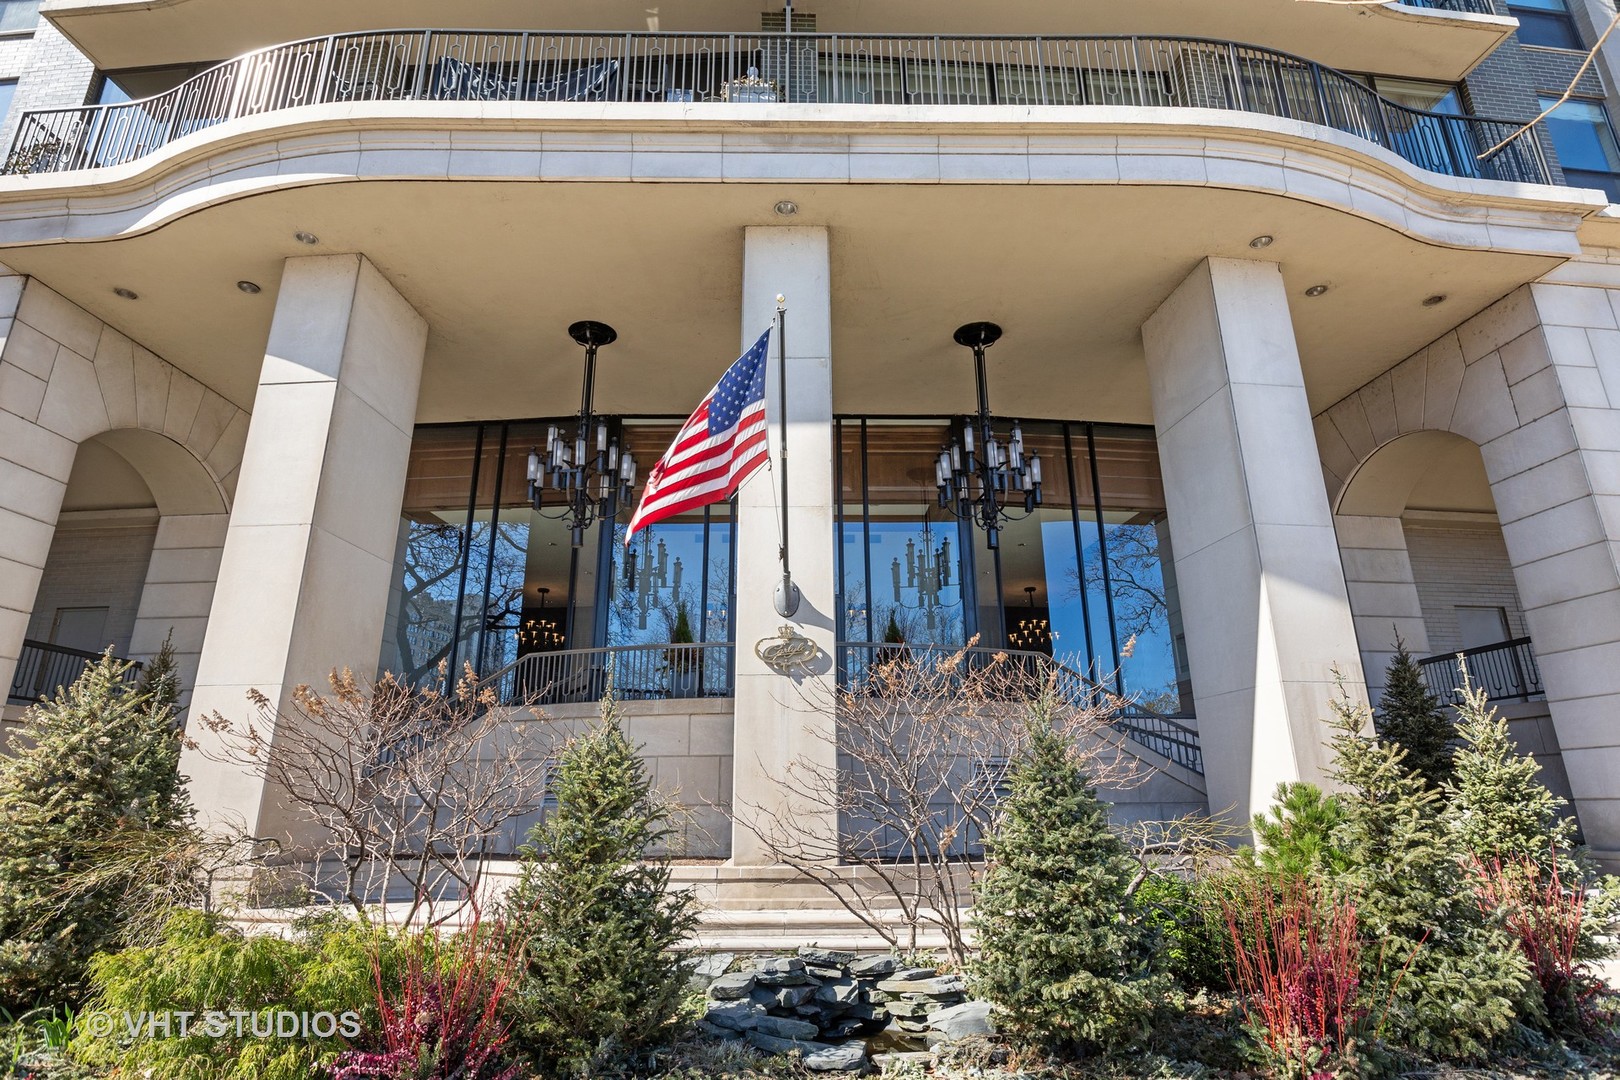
(429, 583)
(646, 615)
(1141, 608)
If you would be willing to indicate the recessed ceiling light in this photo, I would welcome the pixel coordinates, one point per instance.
(1316, 290)
(127, 294)
(249, 287)
(787, 208)
(1261, 242)
(1434, 301)
(306, 238)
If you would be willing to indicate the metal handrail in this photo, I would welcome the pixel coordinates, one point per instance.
(1506, 670)
(887, 69)
(43, 668)
(1159, 733)
(1471, 7)
(636, 673)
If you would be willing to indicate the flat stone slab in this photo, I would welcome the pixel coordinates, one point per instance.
(931, 987)
(962, 1021)
(825, 957)
(842, 992)
(789, 972)
(771, 1044)
(712, 965)
(733, 986)
(875, 967)
(735, 1015)
(849, 1057)
(784, 1028)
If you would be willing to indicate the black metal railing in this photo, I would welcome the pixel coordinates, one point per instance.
(1471, 7)
(887, 70)
(1159, 733)
(636, 672)
(43, 668)
(1505, 671)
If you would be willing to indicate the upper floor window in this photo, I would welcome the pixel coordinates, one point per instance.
(1585, 144)
(18, 15)
(1545, 22)
(133, 84)
(8, 90)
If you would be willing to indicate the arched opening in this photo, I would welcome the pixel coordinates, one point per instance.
(1425, 558)
(133, 559)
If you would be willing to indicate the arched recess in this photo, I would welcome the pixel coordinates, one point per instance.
(99, 431)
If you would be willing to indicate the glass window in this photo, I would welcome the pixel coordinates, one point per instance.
(1584, 141)
(8, 90)
(1545, 22)
(18, 15)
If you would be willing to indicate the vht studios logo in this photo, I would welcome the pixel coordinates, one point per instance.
(222, 1024)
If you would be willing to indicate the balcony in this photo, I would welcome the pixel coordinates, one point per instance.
(44, 667)
(1506, 671)
(689, 70)
(1467, 7)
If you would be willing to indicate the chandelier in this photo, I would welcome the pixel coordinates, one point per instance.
(656, 581)
(589, 471)
(984, 477)
(541, 631)
(1033, 633)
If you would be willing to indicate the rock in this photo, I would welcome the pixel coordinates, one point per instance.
(763, 996)
(901, 1058)
(825, 957)
(773, 1045)
(931, 987)
(733, 986)
(840, 992)
(786, 972)
(912, 974)
(909, 1009)
(850, 1057)
(874, 967)
(911, 1027)
(791, 997)
(716, 1032)
(736, 1015)
(784, 1028)
(824, 974)
(713, 965)
(961, 1021)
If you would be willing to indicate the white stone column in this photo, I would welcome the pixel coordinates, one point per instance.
(304, 577)
(776, 715)
(1262, 589)
(179, 591)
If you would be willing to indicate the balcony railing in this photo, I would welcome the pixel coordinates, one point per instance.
(44, 667)
(1471, 7)
(1506, 671)
(636, 672)
(1158, 733)
(448, 65)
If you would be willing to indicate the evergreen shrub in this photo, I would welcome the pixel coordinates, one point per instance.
(1412, 718)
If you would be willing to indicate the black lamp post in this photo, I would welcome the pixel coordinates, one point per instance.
(591, 470)
(981, 477)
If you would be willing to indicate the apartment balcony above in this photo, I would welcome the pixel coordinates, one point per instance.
(686, 72)
(1424, 39)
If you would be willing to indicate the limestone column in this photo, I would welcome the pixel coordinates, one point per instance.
(776, 713)
(1262, 589)
(305, 572)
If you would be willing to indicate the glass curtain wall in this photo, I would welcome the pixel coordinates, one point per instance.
(1087, 578)
(482, 577)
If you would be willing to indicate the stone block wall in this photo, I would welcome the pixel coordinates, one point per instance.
(98, 561)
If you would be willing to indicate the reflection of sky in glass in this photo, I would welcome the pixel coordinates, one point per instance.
(920, 586)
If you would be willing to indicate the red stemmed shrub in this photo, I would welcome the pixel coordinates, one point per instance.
(440, 1016)
(1545, 917)
(1296, 966)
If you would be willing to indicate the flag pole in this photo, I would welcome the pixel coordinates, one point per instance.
(787, 593)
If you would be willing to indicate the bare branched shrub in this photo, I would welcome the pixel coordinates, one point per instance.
(407, 790)
(922, 749)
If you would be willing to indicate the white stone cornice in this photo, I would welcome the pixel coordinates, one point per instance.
(824, 144)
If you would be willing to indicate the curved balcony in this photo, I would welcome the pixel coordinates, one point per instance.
(687, 70)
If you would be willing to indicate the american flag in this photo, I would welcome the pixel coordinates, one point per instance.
(723, 444)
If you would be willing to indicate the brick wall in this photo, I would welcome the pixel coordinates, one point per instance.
(54, 75)
(96, 562)
(1461, 563)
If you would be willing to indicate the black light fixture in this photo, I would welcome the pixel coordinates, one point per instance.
(541, 631)
(981, 477)
(590, 471)
(1033, 633)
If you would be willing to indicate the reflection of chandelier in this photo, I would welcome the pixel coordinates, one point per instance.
(541, 631)
(655, 579)
(927, 572)
(1032, 632)
(982, 478)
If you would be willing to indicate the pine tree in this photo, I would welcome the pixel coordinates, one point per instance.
(91, 765)
(1411, 717)
(1295, 839)
(159, 683)
(1451, 980)
(599, 928)
(1065, 952)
